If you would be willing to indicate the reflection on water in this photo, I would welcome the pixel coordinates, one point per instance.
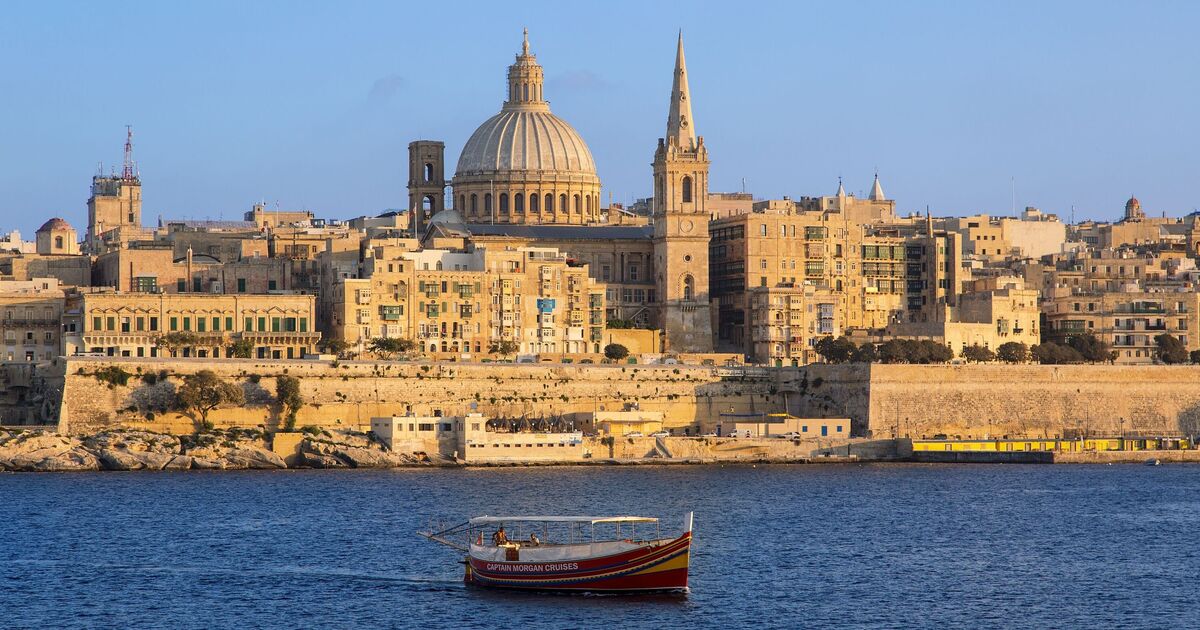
(776, 546)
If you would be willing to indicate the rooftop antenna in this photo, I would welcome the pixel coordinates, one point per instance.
(127, 170)
(1013, 180)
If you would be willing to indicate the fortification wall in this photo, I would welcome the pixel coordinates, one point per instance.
(997, 400)
(349, 394)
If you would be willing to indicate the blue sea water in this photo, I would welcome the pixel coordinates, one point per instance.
(776, 547)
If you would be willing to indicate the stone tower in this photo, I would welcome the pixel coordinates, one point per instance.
(681, 225)
(116, 201)
(426, 181)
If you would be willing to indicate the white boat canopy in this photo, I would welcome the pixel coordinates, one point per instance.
(593, 520)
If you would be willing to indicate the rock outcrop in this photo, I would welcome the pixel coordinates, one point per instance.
(348, 449)
(44, 452)
(232, 449)
(137, 450)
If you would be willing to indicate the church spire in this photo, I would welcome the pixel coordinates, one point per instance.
(680, 128)
(841, 191)
(876, 191)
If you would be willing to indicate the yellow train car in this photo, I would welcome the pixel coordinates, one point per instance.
(1054, 444)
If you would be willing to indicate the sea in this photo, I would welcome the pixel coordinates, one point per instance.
(776, 546)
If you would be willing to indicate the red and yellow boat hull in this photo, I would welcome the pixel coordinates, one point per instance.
(658, 567)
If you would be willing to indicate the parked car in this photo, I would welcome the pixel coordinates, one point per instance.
(709, 435)
(660, 434)
(633, 434)
(790, 435)
(744, 433)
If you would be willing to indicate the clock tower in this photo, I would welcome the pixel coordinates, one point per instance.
(680, 220)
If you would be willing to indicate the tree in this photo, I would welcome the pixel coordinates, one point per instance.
(287, 392)
(388, 347)
(242, 348)
(934, 352)
(333, 346)
(615, 352)
(1013, 352)
(978, 354)
(838, 350)
(1090, 347)
(893, 351)
(619, 323)
(1056, 354)
(173, 342)
(1170, 349)
(504, 347)
(865, 353)
(1195, 356)
(204, 391)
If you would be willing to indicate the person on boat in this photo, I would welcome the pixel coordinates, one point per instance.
(499, 538)
(533, 540)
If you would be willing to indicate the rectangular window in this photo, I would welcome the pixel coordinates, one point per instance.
(110, 323)
(249, 324)
(201, 324)
(276, 324)
(289, 324)
(140, 324)
(228, 323)
(262, 324)
(241, 285)
(97, 323)
(271, 285)
(303, 324)
(216, 324)
(196, 286)
(187, 323)
(154, 323)
(181, 285)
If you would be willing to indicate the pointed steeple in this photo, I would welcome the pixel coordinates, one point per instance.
(525, 78)
(876, 191)
(680, 127)
(841, 189)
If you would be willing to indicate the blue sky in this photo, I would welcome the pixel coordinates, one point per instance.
(313, 104)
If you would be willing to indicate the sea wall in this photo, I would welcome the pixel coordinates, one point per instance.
(971, 401)
(349, 394)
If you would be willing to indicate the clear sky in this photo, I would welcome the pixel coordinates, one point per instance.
(312, 105)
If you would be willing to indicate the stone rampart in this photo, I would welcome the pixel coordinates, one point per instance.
(972, 401)
(349, 394)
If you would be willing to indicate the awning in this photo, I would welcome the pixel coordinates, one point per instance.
(593, 520)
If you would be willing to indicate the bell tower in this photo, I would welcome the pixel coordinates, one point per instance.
(426, 182)
(681, 225)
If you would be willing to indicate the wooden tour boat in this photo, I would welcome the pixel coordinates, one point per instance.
(593, 554)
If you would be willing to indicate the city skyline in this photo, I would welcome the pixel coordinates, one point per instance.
(262, 108)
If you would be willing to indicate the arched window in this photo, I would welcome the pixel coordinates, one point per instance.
(689, 287)
(525, 91)
(519, 202)
(589, 204)
(687, 189)
(462, 202)
(439, 265)
(58, 242)
(474, 203)
(534, 200)
(487, 203)
(549, 202)
(427, 204)
(428, 172)
(562, 203)
(503, 203)
(577, 208)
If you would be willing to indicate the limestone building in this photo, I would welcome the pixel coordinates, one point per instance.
(121, 324)
(457, 304)
(56, 237)
(30, 319)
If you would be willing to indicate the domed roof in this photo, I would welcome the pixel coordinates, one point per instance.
(522, 140)
(1133, 204)
(525, 136)
(55, 224)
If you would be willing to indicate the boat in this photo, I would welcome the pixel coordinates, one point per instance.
(577, 554)
(1153, 461)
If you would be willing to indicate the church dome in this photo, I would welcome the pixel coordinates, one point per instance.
(518, 140)
(55, 224)
(526, 165)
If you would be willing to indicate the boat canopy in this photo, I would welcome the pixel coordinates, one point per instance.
(593, 520)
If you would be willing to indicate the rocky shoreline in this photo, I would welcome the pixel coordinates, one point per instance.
(234, 449)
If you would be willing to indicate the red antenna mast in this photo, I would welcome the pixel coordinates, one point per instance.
(127, 173)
